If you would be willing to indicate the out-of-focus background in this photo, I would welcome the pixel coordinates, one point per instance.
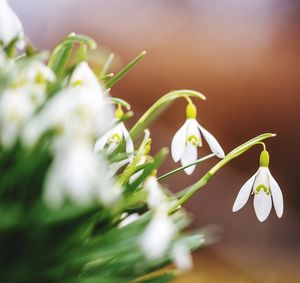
(244, 56)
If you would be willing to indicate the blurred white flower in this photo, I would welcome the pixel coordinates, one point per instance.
(158, 235)
(84, 79)
(77, 174)
(156, 196)
(188, 138)
(15, 109)
(71, 114)
(10, 26)
(181, 257)
(265, 190)
(19, 101)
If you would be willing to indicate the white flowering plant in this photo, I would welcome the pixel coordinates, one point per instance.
(80, 194)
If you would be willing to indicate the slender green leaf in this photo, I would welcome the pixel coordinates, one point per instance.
(125, 70)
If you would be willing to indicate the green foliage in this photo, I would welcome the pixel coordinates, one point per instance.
(86, 243)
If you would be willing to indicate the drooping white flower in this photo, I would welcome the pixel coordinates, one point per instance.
(114, 137)
(265, 189)
(10, 26)
(79, 175)
(188, 138)
(159, 233)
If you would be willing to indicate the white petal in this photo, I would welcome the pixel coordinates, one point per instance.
(158, 235)
(88, 80)
(262, 178)
(10, 25)
(178, 142)
(189, 156)
(244, 194)
(128, 140)
(193, 130)
(182, 257)
(128, 219)
(276, 195)
(262, 205)
(114, 167)
(156, 196)
(212, 142)
(100, 143)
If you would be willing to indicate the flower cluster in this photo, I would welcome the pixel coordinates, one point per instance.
(93, 159)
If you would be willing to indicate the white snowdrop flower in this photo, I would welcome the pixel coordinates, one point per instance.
(84, 79)
(70, 114)
(188, 138)
(156, 196)
(265, 189)
(181, 257)
(15, 109)
(158, 235)
(128, 219)
(113, 138)
(77, 174)
(38, 73)
(10, 26)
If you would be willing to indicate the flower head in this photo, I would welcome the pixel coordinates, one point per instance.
(113, 138)
(79, 175)
(157, 238)
(265, 190)
(188, 138)
(10, 26)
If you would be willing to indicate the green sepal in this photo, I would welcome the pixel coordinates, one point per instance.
(264, 159)
(191, 111)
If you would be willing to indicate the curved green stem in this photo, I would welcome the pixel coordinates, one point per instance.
(231, 155)
(186, 166)
(116, 100)
(159, 106)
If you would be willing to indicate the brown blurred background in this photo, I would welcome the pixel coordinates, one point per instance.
(244, 56)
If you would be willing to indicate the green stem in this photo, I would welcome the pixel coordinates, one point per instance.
(159, 106)
(184, 167)
(233, 154)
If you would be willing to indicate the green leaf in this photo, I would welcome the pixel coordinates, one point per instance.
(107, 65)
(125, 70)
(61, 54)
(157, 108)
